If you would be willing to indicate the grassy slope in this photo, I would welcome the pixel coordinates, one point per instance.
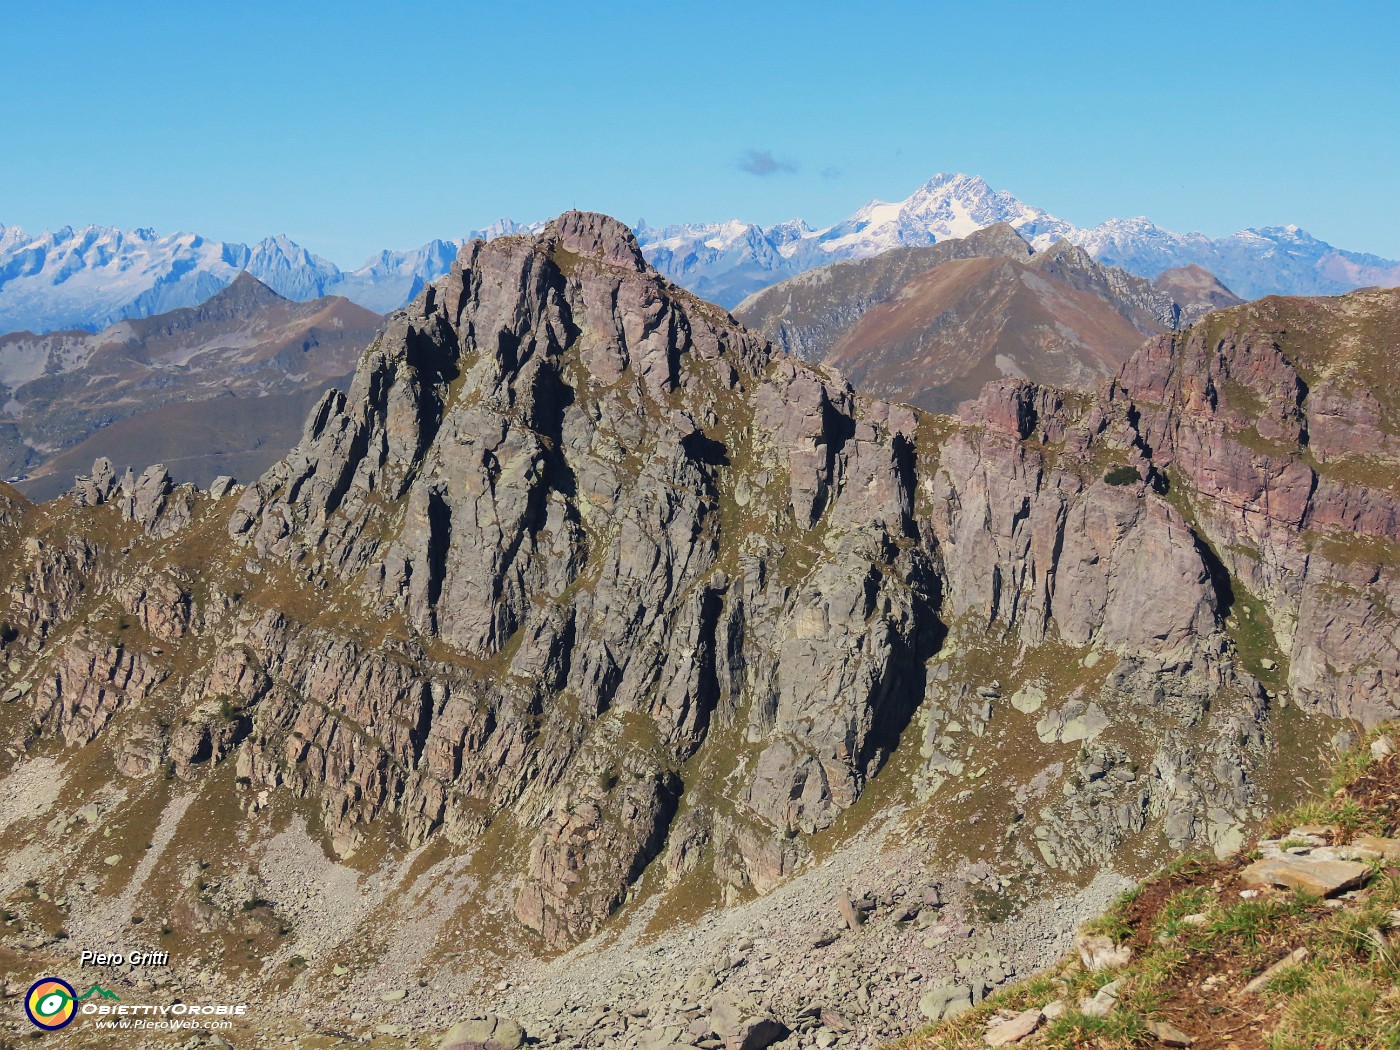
(1346, 994)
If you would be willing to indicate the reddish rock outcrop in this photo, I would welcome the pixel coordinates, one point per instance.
(1277, 422)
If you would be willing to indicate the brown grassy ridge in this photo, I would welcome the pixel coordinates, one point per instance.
(1344, 996)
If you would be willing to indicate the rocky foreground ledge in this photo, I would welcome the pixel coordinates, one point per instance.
(1293, 943)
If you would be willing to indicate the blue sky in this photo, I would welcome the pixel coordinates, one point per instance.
(354, 126)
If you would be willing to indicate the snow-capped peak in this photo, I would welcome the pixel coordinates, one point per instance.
(99, 274)
(949, 205)
(504, 228)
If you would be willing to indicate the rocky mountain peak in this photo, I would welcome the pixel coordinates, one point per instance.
(953, 191)
(573, 475)
(484, 377)
(1064, 252)
(1000, 238)
(597, 236)
(1197, 290)
(244, 293)
(935, 331)
(220, 387)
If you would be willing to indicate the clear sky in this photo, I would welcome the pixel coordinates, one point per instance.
(353, 126)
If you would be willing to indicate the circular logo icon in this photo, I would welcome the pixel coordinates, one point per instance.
(50, 1003)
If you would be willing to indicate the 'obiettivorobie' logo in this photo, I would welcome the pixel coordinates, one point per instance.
(52, 1004)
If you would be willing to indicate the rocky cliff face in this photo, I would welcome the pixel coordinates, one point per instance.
(1278, 424)
(583, 598)
(534, 467)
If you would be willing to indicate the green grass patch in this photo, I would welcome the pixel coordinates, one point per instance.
(1123, 476)
(1194, 901)
(1249, 923)
(1114, 923)
(1346, 813)
(1120, 1029)
(1342, 1011)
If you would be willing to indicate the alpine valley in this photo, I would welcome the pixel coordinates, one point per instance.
(596, 671)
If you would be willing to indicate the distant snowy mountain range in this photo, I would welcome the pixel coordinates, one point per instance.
(91, 277)
(728, 261)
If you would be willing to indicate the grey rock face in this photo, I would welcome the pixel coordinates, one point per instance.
(1268, 417)
(947, 1001)
(152, 500)
(92, 681)
(98, 487)
(565, 435)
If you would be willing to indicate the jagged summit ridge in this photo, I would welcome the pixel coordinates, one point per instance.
(499, 326)
(545, 421)
(92, 277)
